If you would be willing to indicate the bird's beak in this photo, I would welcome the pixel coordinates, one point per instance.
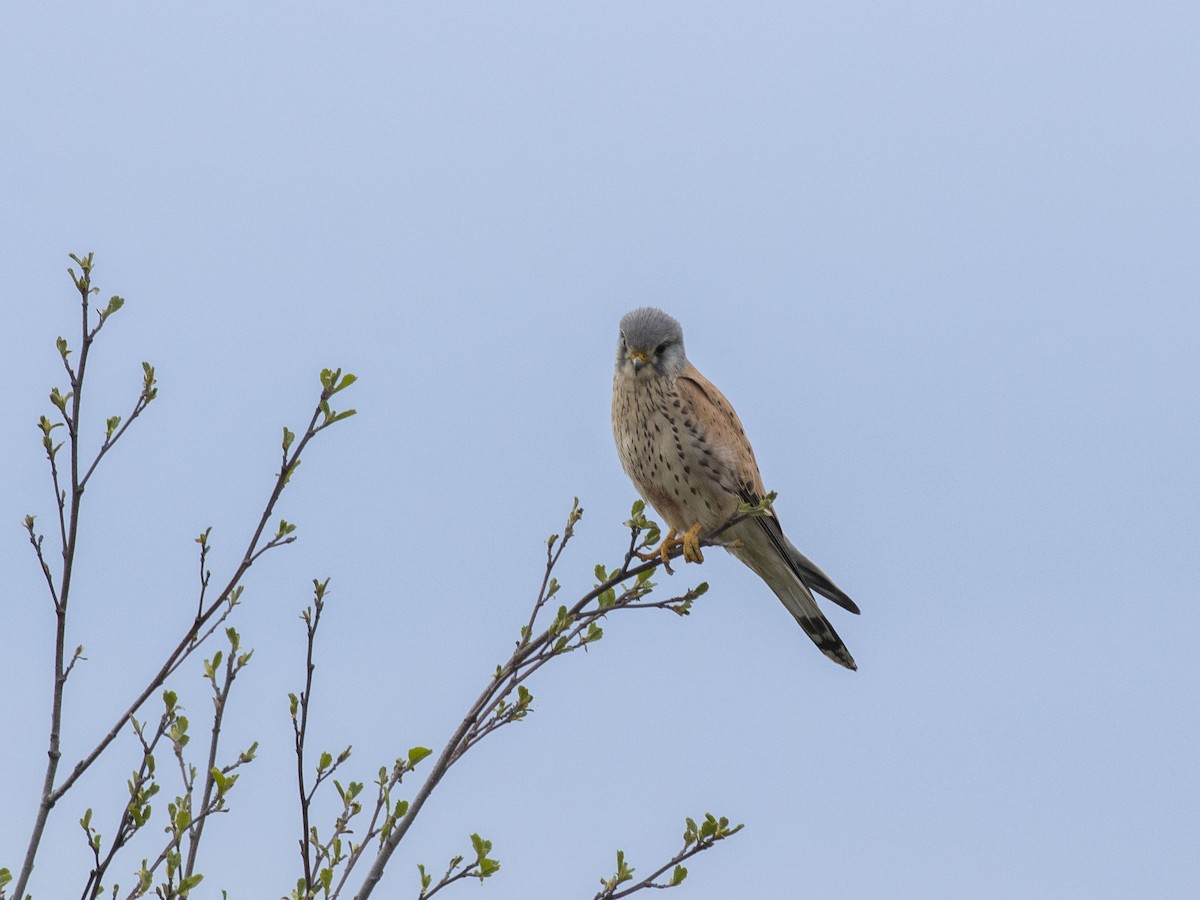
(639, 359)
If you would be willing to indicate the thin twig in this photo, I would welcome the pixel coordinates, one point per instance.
(699, 846)
(300, 729)
(126, 826)
(110, 440)
(36, 541)
(233, 665)
(173, 844)
(449, 879)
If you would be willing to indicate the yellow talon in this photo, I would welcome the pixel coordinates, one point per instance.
(691, 545)
(663, 551)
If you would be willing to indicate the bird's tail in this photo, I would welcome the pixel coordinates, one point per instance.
(800, 603)
(775, 565)
(812, 575)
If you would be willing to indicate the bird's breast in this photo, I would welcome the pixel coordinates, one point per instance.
(665, 453)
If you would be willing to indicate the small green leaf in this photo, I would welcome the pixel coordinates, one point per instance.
(678, 875)
(291, 470)
(562, 621)
(689, 832)
(416, 754)
(60, 400)
(114, 303)
(149, 391)
(624, 870)
(488, 867)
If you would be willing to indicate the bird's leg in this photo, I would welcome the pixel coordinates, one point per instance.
(691, 545)
(663, 550)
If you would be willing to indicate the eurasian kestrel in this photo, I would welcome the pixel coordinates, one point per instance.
(687, 454)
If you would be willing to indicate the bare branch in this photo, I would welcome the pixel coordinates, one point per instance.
(110, 439)
(312, 619)
(36, 541)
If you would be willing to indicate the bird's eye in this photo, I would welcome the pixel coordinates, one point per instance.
(661, 348)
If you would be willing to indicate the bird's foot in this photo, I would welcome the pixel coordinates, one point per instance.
(663, 550)
(689, 541)
(691, 545)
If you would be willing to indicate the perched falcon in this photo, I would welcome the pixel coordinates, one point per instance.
(685, 450)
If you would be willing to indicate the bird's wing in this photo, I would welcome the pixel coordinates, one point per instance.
(722, 428)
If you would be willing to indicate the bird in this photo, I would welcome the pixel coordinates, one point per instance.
(684, 448)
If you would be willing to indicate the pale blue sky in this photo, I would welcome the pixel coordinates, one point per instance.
(941, 256)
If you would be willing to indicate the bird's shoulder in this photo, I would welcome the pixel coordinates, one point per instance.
(708, 400)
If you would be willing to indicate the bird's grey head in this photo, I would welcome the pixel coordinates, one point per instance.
(651, 344)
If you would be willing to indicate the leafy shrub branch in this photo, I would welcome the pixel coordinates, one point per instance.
(211, 611)
(368, 825)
